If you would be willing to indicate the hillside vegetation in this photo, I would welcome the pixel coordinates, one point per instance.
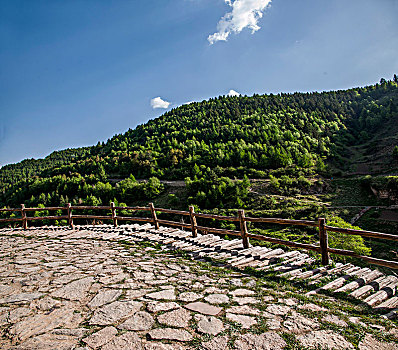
(284, 155)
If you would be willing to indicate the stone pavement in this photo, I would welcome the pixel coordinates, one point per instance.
(71, 289)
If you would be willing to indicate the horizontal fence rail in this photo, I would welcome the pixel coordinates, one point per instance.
(323, 247)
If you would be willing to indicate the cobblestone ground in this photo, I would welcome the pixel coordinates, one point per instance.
(97, 294)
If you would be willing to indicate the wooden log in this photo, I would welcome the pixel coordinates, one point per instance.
(338, 269)
(60, 217)
(292, 274)
(114, 218)
(99, 217)
(10, 209)
(46, 208)
(194, 225)
(219, 231)
(338, 282)
(323, 241)
(283, 221)
(173, 211)
(132, 218)
(285, 257)
(216, 217)
(87, 207)
(132, 208)
(242, 261)
(310, 273)
(369, 234)
(383, 294)
(227, 244)
(271, 253)
(391, 303)
(216, 243)
(173, 223)
(23, 215)
(11, 219)
(154, 217)
(380, 262)
(70, 218)
(375, 285)
(283, 242)
(243, 228)
(361, 281)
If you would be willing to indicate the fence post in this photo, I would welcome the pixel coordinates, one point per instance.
(323, 241)
(70, 219)
(24, 218)
(194, 225)
(243, 228)
(114, 218)
(155, 219)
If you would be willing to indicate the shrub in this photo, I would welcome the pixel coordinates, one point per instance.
(345, 241)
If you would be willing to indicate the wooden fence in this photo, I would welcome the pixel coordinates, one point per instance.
(323, 247)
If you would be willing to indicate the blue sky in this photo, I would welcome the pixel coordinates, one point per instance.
(76, 72)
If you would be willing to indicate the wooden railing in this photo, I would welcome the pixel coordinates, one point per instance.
(323, 247)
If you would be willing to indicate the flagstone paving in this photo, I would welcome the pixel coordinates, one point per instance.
(67, 289)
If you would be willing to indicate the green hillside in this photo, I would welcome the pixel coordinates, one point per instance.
(275, 155)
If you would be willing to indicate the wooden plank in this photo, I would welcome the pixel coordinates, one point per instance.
(370, 234)
(217, 217)
(283, 242)
(283, 221)
(380, 262)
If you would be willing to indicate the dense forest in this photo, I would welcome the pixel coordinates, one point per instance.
(294, 142)
(224, 136)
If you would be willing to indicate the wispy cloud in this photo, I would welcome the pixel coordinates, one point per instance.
(233, 93)
(244, 14)
(157, 102)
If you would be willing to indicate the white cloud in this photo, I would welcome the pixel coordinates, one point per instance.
(244, 14)
(157, 102)
(233, 93)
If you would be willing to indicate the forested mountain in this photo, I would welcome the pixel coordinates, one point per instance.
(227, 136)
(275, 155)
(300, 134)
